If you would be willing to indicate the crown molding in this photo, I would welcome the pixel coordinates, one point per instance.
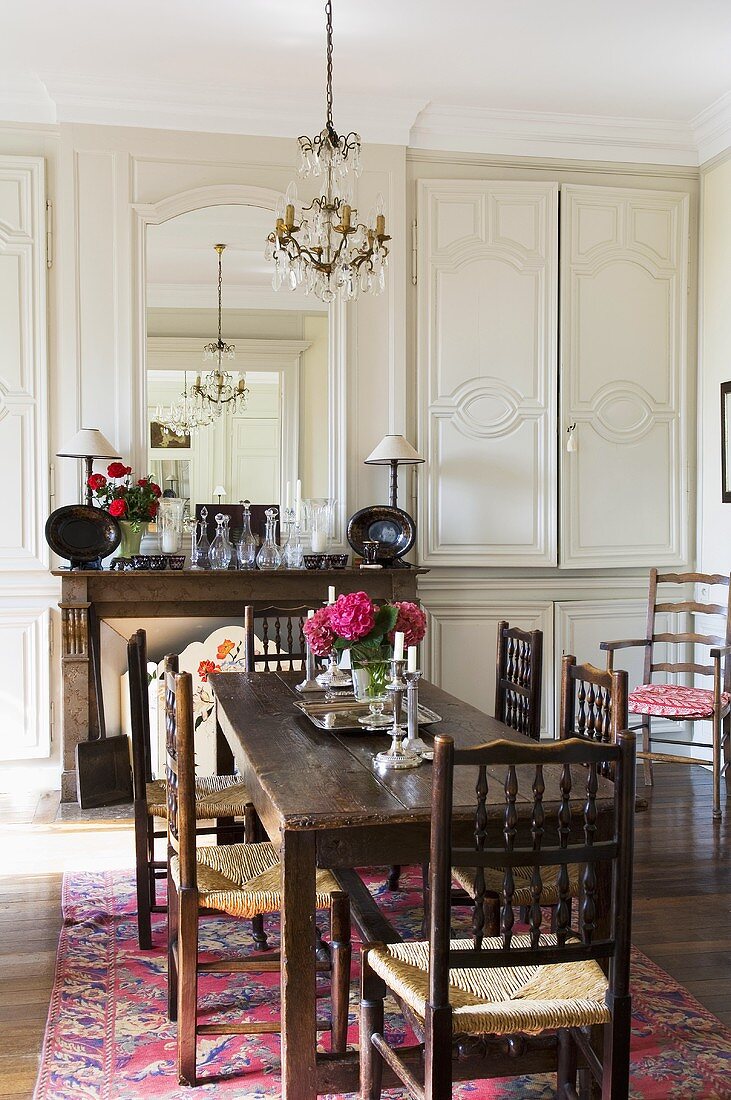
(546, 135)
(23, 99)
(222, 109)
(712, 129)
(61, 97)
(240, 296)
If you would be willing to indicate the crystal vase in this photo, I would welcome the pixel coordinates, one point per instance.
(370, 677)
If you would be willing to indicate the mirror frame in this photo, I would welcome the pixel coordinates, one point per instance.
(235, 194)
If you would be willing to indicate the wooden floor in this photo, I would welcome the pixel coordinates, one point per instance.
(682, 911)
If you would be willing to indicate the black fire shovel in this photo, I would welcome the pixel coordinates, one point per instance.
(103, 770)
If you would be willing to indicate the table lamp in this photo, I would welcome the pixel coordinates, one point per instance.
(219, 492)
(88, 443)
(393, 451)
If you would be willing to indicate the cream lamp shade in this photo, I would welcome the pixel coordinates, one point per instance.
(393, 448)
(88, 443)
(393, 451)
(219, 492)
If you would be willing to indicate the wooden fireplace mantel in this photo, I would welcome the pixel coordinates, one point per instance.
(88, 596)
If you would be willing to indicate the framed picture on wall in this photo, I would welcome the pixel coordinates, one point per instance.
(161, 438)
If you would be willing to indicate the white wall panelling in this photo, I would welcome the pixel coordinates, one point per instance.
(488, 261)
(461, 648)
(581, 626)
(624, 377)
(23, 364)
(25, 733)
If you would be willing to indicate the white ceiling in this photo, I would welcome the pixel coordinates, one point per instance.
(410, 71)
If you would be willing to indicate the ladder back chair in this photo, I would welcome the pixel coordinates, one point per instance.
(593, 704)
(219, 798)
(241, 880)
(479, 1004)
(280, 633)
(518, 678)
(679, 702)
(518, 692)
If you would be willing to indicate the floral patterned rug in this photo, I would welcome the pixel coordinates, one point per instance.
(108, 1036)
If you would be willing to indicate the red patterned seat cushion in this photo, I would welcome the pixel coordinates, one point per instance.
(672, 701)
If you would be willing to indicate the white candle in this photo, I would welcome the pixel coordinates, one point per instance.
(311, 614)
(289, 496)
(169, 541)
(319, 542)
(298, 502)
(398, 645)
(331, 594)
(411, 667)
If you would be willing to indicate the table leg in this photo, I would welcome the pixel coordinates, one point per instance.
(298, 967)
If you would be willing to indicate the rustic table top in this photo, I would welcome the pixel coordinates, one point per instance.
(316, 779)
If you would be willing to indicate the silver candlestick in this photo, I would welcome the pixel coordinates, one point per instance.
(413, 742)
(396, 756)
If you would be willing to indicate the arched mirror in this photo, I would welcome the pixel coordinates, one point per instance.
(284, 360)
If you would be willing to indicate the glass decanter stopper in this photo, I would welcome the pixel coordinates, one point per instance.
(270, 556)
(219, 555)
(246, 546)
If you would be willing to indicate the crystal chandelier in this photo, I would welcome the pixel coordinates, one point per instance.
(220, 390)
(185, 416)
(323, 245)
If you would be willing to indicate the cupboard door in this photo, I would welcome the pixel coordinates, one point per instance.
(624, 377)
(486, 367)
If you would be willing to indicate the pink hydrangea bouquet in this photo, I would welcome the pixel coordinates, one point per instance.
(356, 623)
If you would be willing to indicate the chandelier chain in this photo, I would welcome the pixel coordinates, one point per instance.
(329, 18)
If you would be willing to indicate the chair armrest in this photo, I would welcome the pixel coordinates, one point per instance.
(624, 644)
(720, 651)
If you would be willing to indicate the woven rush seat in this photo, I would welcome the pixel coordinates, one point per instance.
(215, 796)
(503, 1000)
(675, 701)
(245, 880)
(465, 876)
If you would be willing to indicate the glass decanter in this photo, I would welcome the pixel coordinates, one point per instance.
(270, 556)
(220, 553)
(246, 546)
(203, 546)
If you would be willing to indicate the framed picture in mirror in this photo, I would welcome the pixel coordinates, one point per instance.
(726, 442)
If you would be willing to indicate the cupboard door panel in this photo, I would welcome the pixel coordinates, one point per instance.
(23, 368)
(487, 372)
(624, 377)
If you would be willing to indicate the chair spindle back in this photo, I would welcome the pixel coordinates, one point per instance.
(593, 704)
(180, 769)
(518, 679)
(280, 630)
(552, 842)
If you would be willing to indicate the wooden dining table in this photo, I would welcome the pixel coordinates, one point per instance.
(321, 800)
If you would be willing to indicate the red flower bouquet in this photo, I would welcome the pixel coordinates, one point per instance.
(123, 499)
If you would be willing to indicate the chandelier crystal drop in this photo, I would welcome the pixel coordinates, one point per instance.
(323, 246)
(187, 415)
(220, 390)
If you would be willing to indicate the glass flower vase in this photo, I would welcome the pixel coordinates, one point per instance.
(370, 675)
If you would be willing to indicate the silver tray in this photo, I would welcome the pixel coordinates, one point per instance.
(344, 715)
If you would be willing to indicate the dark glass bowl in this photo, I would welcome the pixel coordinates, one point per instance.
(314, 561)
